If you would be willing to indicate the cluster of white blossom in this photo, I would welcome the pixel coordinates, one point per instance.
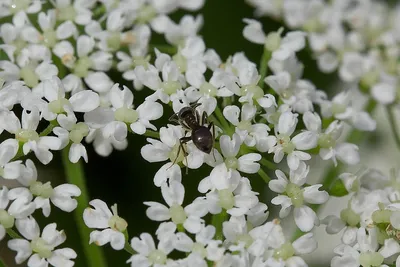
(59, 55)
(358, 38)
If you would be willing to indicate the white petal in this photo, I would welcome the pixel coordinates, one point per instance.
(305, 244)
(84, 101)
(305, 218)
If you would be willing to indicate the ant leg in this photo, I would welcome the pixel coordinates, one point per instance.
(204, 118)
(183, 141)
(211, 125)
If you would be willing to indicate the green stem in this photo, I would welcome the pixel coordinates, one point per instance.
(75, 175)
(167, 49)
(13, 234)
(266, 56)
(226, 127)
(129, 249)
(49, 128)
(152, 134)
(393, 124)
(270, 165)
(216, 221)
(2, 264)
(264, 176)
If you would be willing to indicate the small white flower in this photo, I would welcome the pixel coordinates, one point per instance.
(40, 249)
(295, 195)
(189, 217)
(102, 218)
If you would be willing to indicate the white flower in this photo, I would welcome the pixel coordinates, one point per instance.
(384, 93)
(189, 217)
(252, 134)
(102, 218)
(286, 145)
(61, 196)
(71, 131)
(41, 246)
(18, 209)
(79, 11)
(54, 93)
(295, 195)
(116, 119)
(8, 150)
(148, 254)
(25, 132)
(30, 7)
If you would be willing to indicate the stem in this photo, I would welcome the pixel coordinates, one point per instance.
(49, 128)
(264, 176)
(129, 249)
(152, 134)
(266, 56)
(393, 125)
(216, 221)
(13, 234)
(167, 49)
(222, 120)
(270, 165)
(75, 175)
(2, 264)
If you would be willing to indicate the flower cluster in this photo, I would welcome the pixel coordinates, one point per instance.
(239, 120)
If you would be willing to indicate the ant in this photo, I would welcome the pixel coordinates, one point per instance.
(201, 135)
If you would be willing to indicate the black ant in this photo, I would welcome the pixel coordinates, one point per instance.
(201, 135)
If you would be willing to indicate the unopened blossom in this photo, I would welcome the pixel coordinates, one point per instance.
(40, 249)
(113, 226)
(298, 196)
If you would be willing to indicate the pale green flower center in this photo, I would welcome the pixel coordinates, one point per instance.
(18, 5)
(170, 87)
(350, 217)
(66, 13)
(126, 115)
(326, 141)
(117, 223)
(6, 220)
(226, 199)
(371, 258)
(146, 13)
(286, 94)
(114, 41)
(49, 38)
(19, 44)
(181, 62)
(246, 239)
(27, 135)
(245, 125)
(284, 252)
(40, 246)
(82, 66)
(338, 108)
(208, 89)
(296, 194)
(253, 89)
(232, 163)
(157, 257)
(173, 154)
(41, 190)
(57, 106)
(178, 214)
(79, 131)
(284, 141)
(199, 249)
(273, 41)
(29, 76)
(141, 61)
